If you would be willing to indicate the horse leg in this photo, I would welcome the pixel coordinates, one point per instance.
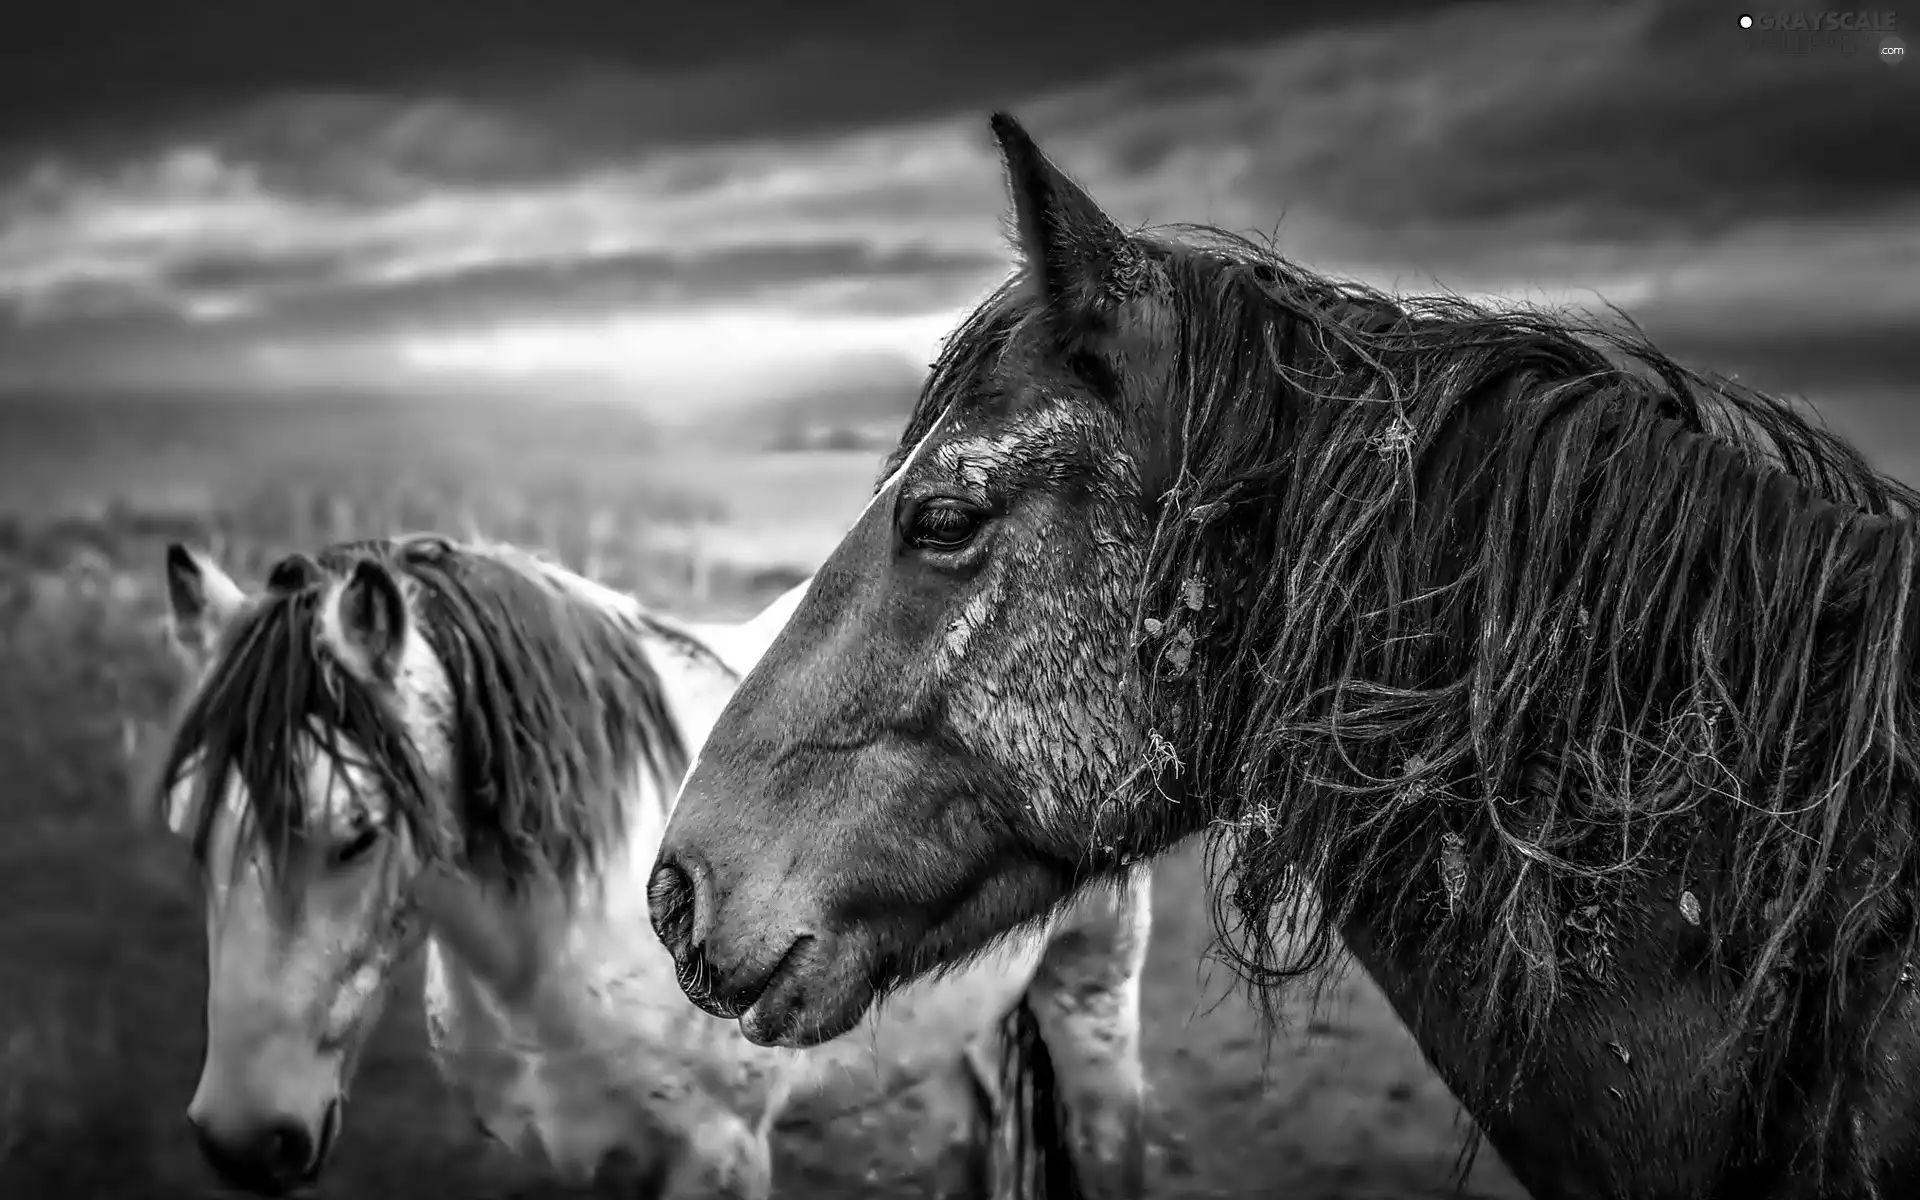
(952, 1117)
(725, 1160)
(1085, 1001)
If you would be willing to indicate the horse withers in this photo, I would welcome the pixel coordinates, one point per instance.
(1576, 690)
(416, 740)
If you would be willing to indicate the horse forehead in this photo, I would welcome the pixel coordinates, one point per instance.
(340, 781)
(338, 785)
(987, 444)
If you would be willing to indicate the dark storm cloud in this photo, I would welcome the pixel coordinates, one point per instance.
(1689, 123)
(379, 185)
(1605, 122)
(222, 272)
(771, 66)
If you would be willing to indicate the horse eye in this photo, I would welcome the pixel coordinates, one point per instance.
(357, 849)
(943, 525)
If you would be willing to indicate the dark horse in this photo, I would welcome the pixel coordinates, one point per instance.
(1574, 691)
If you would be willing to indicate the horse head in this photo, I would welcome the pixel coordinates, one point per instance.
(316, 715)
(919, 763)
(369, 744)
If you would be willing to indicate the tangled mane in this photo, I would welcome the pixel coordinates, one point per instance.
(554, 707)
(1541, 621)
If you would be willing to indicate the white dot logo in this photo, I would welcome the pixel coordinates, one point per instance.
(1746, 22)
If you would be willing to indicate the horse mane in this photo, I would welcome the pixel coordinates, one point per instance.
(554, 706)
(1544, 616)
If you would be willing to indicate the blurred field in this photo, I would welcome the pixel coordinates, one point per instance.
(101, 945)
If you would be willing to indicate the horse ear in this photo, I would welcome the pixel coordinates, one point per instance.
(201, 599)
(368, 622)
(1084, 264)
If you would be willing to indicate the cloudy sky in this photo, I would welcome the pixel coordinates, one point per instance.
(695, 203)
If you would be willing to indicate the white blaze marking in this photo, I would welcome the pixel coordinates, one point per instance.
(900, 472)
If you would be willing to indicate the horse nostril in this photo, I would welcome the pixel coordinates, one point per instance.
(268, 1162)
(674, 904)
(680, 900)
(288, 1150)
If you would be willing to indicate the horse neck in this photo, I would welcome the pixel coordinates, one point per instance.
(697, 684)
(741, 643)
(513, 947)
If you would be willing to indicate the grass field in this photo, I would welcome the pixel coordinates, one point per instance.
(101, 945)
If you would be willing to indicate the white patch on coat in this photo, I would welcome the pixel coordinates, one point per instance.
(974, 614)
(975, 460)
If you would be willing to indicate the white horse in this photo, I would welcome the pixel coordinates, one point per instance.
(416, 739)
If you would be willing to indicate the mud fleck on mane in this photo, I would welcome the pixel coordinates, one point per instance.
(554, 707)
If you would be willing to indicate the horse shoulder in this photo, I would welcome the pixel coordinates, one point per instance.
(492, 1071)
(604, 1055)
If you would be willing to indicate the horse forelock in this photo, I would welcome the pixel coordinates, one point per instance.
(1529, 595)
(553, 711)
(269, 704)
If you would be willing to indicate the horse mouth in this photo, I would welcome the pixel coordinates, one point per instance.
(329, 1133)
(731, 999)
(799, 1007)
(695, 978)
(308, 1183)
